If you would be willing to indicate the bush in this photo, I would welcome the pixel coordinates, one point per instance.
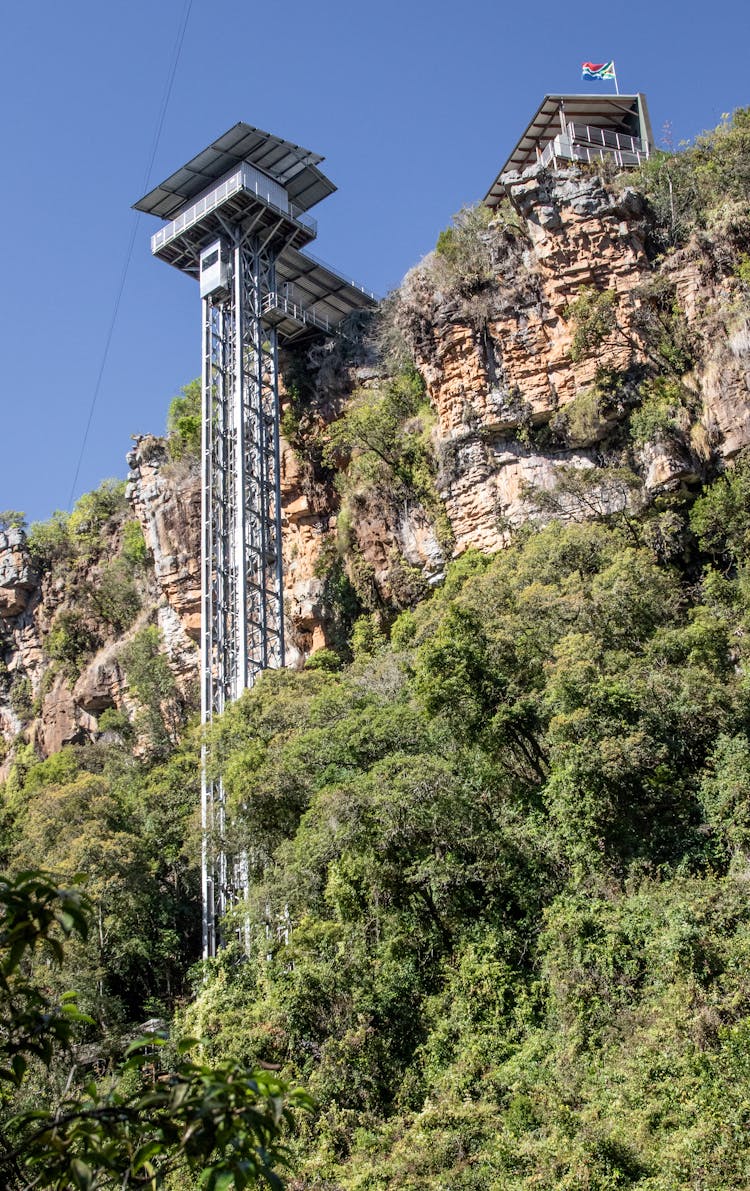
(465, 247)
(21, 699)
(91, 513)
(49, 542)
(134, 549)
(667, 409)
(70, 638)
(184, 422)
(12, 519)
(115, 597)
(114, 719)
(594, 317)
(685, 188)
(152, 682)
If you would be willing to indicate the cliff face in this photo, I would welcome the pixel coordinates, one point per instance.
(503, 385)
(518, 392)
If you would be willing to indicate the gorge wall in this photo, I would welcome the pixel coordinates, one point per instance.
(530, 376)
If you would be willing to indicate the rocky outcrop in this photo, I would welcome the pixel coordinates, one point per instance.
(513, 404)
(165, 497)
(500, 370)
(18, 576)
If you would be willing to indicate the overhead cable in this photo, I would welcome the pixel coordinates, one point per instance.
(131, 243)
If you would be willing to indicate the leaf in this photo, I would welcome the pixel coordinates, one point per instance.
(82, 1174)
(145, 1153)
(186, 1044)
(146, 1040)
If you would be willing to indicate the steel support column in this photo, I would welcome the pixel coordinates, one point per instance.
(242, 573)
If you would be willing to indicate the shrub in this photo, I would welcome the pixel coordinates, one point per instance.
(594, 317)
(134, 549)
(91, 513)
(21, 697)
(152, 682)
(12, 519)
(465, 247)
(50, 542)
(115, 597)
(70, 638)
(685, 188)
(114, 719)
(184, 422)
(324, 659)
(720, 517)
(667, 410)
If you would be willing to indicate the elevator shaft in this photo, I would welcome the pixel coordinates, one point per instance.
(242, 615)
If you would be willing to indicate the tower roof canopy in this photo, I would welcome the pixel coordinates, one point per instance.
(292, 166)
(620, 113)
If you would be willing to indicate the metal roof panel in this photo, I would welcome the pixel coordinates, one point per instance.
(291, 165)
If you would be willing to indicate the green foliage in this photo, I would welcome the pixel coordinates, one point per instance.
(324, 659)
(152, 682)
(742, 270)
(465, 247)
(49, 542)
(667, 410)
(384, 439)
(184, 422)
(594, 315)
(114, 597)
(134, 549)
(496, 911)
(220, 1125)
(35, 917)
(91, 513)
(115, 720)
(12, 519)
(720, 517)
(685, 188)
(582, 420)
(71, 638)
(80, 533)
(21, 697)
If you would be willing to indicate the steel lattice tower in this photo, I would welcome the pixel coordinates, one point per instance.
(237, 220)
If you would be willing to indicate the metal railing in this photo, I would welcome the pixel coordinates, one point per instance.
(584, 142)
(607, 138)
(300, 314)
(341, 276)
(240, 180)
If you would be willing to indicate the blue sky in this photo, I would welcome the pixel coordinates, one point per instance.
(413, 104)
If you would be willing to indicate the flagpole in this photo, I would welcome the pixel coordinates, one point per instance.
(614, 73)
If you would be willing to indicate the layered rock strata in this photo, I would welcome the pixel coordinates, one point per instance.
(506, 388)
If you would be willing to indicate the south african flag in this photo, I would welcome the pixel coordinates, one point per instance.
(598, 70)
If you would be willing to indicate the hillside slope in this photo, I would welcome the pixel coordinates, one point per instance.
(496, 812)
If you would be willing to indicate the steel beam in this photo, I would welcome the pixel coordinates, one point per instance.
(242, 571)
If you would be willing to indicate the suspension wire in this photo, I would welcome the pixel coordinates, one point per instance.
(133, 231)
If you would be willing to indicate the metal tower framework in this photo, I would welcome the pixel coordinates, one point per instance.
(242, 616)
(237, 219)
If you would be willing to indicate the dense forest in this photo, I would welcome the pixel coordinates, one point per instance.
(498, 925)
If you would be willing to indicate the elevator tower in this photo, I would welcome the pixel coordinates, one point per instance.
(237, 222)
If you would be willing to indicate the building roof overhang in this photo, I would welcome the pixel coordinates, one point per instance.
(623, 113)
(292, 166)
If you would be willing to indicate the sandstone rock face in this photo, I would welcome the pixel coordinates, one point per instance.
(18, 576)
(165, 496)
(42, 700)
(496, 373)
(517, 366)
(512, 407)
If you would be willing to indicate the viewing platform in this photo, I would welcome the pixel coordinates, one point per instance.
(243, 194)
(581, 128)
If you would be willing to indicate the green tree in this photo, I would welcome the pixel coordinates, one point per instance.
(220, 1125)
(184, 422)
